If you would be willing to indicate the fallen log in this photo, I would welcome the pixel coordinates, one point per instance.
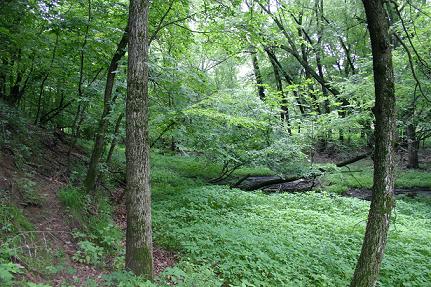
(354, 159)
(280, 180)
(270, 182)
(236, 184)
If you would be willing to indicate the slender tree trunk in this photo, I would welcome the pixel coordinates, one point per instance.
(412, 146)
(257, 75)
(91, 177)
(13, 97)
(114, 139)
(382, 202)
(19, 87)
(319, 49)
(55, 112)
(139, 246)
(288, 78)
(284, 104)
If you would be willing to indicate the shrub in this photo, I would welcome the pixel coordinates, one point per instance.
(8, 272)
(88, 253)
(72, 198)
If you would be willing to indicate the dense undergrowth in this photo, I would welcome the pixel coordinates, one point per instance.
(252, 239)
(227, 237)
(236, 238)
(360, 175)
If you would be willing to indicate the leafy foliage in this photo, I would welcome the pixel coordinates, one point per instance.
(289, 239)
(98, 236)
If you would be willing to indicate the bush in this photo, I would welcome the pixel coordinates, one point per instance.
(88, 253)
(72, 198)
(28, 189)
(187, 274)
(125, 279)
(7, 273)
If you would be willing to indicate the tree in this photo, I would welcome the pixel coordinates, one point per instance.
(369, 262)
(139, 246)
(91, 177)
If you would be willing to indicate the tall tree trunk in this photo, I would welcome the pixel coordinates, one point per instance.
(13, 97)
(114, 139)
(412, 146)
(257, 75)
(3, 74)
(18, 84)
(91, 177)
(308, 75)
(382, 202)
(319, 49)
(288, 78)
(139, 245)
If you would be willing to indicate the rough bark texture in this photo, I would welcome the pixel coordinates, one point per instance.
(369, 262)
(91, 177)
(139, 246)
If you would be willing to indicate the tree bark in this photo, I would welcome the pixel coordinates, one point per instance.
(115, 139)
(412, 146)
(139, 246)
(257, 75)
(91, 177)
(382, 202)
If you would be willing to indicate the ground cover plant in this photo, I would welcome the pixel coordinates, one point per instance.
(252, 239)
(215, 143)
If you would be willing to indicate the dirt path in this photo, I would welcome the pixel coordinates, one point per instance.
(51, 244)
(51, 225)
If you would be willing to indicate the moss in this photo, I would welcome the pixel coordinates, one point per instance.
(141, 262)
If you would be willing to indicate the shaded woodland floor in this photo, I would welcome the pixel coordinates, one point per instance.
(34, 188)
(210, 235)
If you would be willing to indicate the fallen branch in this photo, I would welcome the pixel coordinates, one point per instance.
(280, 180)
(226, 172)
(354, 159)
(235, 185)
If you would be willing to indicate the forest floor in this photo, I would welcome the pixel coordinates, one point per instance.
(33, 186)
(205, 235)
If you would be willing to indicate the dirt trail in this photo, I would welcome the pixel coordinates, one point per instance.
(53, 227)
(50, 220)
(47, 170)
